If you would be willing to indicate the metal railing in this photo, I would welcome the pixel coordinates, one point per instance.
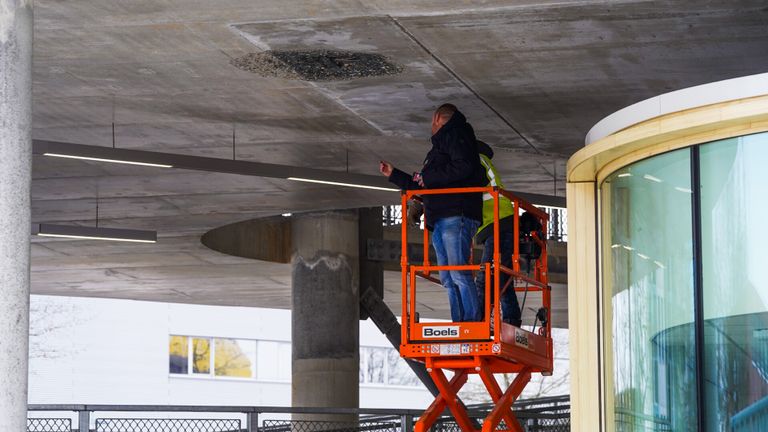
(557, 229)
(535, 415)
(752, 418)
(392, 215)
(629, 421)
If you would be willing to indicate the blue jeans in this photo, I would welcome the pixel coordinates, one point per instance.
(510, 308)
(452, 240)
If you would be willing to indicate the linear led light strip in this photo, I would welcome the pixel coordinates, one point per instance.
(95, 233)
(107, 160)
(95, 238)
(306, 180)
(301, 179)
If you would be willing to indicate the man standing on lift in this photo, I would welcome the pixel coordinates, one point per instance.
(510, 308)
(453, 162)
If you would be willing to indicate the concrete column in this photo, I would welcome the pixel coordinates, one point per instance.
(325, 313)
(15, 178)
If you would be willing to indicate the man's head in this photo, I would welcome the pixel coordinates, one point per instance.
(441, 116)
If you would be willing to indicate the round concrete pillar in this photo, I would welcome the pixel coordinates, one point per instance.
(15, 178)
(325, 311)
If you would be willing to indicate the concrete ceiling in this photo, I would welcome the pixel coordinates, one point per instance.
(532, 76)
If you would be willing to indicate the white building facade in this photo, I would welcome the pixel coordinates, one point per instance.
(103, 351)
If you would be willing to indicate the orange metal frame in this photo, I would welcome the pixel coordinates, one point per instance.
(472, 347)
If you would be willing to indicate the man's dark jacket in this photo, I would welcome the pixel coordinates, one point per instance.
(452, 162)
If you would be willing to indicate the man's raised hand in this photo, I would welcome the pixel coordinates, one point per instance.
(385, 168)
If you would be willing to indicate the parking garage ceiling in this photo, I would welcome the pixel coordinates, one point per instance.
(531, 76)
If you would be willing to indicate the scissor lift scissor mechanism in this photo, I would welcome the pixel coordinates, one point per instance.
(487, 347)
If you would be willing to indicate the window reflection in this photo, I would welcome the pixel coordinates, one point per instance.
(649, 280)
(271, 360)
(734, 241)
(201, 356)
(399, 371)
(385, 366)
(234, 358)
(178, 354)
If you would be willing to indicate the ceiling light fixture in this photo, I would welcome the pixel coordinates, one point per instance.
(625, 175)
(96, 233)
(107, 160)
(306, 180)
(652, 178)
(239, 167)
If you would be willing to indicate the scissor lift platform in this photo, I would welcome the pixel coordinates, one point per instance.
(466, 348)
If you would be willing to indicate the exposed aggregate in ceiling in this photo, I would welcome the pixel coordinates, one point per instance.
(317, 65)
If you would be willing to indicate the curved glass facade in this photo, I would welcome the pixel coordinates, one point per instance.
(684, 246)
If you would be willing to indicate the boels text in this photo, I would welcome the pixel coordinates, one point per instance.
(521, 339)
(440, 332)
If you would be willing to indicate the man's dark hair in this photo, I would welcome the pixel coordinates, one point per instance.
(446, 110)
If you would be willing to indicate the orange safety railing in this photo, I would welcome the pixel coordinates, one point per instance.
(482, 347)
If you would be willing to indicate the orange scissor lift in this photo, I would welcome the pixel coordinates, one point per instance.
(478, 347)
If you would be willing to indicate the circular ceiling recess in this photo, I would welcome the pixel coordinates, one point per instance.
(317, 65)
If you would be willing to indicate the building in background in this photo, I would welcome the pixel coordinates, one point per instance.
(102, 351)
(105, 351)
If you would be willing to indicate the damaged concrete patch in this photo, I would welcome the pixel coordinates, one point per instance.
(317, 65)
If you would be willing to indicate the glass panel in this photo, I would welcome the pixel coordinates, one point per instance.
(372, 364)
(234, 358)
(178, 354)
(399, 371)
(284, 361)
(274, 361)
(734, 188)
(648, 276)
(201, 356)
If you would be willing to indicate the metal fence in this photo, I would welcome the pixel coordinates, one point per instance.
(330, 426)
(557, 229)
(166, 425)
(535, 415)
(49, 425)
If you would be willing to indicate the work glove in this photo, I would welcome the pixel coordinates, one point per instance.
(415, 211)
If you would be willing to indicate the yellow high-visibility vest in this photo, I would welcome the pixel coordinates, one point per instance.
(505, 205)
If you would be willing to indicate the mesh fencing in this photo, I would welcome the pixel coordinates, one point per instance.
(558, 424)
(535, 415)
(167, 425)
(49, 425)
(554, 424)
(530, 421)
(329, 426)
